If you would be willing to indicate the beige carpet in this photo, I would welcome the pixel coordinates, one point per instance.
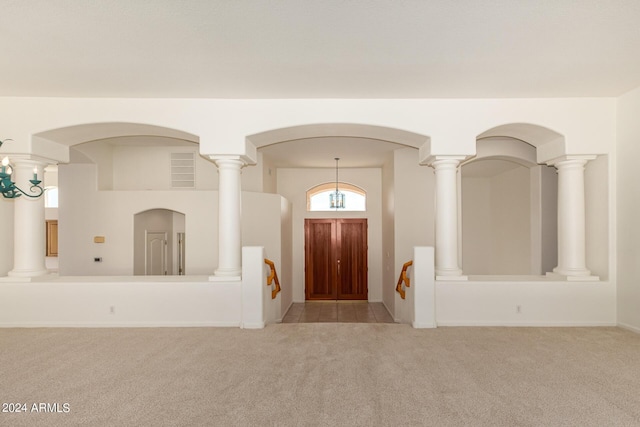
(323, 375)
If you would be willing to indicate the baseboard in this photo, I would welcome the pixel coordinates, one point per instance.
(232, 324)
(253, 325)
(418, 325)
(629, 327)
(527, 324)
(287, 310)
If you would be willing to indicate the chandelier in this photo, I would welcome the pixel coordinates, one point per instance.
(336, 198)
(9, 189)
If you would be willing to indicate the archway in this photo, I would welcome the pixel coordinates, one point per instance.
(111, 168)
(370, 158)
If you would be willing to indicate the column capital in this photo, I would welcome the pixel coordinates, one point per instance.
(577, 159)
(453, 159)
(229, 163)
(219, 159)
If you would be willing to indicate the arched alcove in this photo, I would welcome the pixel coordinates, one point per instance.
(509, 205)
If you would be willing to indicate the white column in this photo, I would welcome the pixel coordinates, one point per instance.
(229, 221)
(29, 239)
(571, 216)
(446, 247)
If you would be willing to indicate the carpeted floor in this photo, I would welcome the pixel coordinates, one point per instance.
(322, 374)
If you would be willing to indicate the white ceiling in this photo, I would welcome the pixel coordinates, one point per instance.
(319, 48)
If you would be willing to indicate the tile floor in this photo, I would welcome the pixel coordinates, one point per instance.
(338, 311)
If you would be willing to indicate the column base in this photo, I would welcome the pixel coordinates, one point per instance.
(27, 273)
(448, 271)
(28, 279)
(452, 278)
(556, 275)
(218, 278)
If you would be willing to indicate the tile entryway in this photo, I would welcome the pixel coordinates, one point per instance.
(338, 311)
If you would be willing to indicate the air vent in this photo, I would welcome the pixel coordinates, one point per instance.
(183, 170)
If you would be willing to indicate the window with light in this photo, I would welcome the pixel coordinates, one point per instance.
(319, 198)
(51, 197)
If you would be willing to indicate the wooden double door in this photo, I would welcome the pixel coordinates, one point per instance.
(336, 259)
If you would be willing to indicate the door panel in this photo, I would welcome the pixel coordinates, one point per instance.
(336, 259)
(156, 254)
(352, 259)
(320, 259)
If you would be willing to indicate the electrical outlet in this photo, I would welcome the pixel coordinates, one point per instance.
(518, 309)
(112, 309)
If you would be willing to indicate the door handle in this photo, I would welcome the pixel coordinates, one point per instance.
(338, 267)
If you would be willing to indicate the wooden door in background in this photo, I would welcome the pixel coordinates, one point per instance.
(336, 259)
(52, 237)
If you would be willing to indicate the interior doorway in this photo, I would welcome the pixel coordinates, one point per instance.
(336, 259)
(159, 243)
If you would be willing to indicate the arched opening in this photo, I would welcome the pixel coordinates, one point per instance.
(112, 168)
(159, 245)
(381, 163)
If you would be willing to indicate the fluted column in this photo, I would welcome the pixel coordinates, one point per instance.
(571, 216)
(229, 218)
(29, 239)
(446, 247)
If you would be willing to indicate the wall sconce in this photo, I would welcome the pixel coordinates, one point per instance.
(9, 189)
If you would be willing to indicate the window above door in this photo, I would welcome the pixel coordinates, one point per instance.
(318, 197)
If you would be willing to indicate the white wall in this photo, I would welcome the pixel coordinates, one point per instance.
(269, 174)
(511, 222)
(540, 303)
(548, 218)
(286, 265)
(506, 228)
(628, 210)
(598, 243)
(477, 256)
(293, 185)
(388, 233)
(149, 168)
(85, 212)
(6, 236)
(414, 216)
(127, 166)
(120, 302)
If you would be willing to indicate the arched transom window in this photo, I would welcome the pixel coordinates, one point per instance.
(318, 197)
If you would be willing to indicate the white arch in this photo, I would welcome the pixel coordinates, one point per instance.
(549, 144)
(78, 134)
(318, 130)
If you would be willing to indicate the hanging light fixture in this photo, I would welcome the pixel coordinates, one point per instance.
(336, 198)
(9, 189)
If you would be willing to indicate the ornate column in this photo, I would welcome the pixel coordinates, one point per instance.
(29, 238)
(447, 264)
(229, 218)
(571, 217)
